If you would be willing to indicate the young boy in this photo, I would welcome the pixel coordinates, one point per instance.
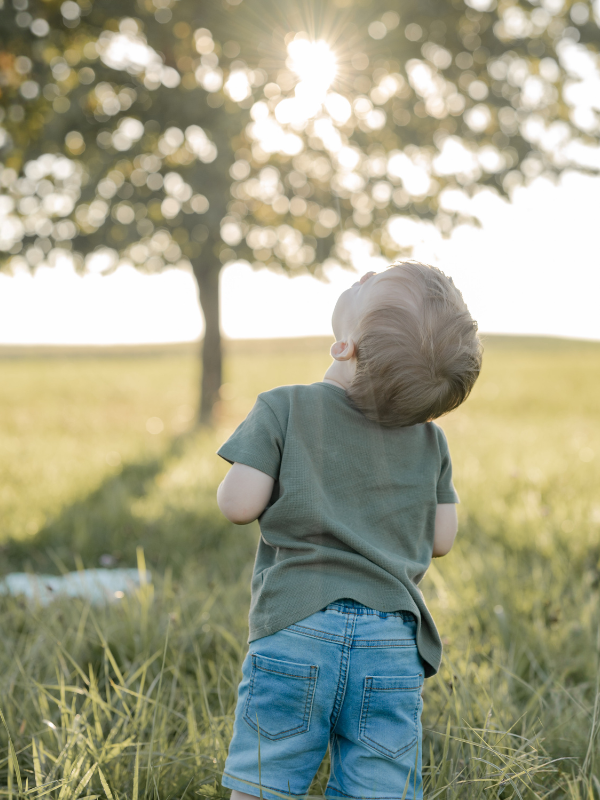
(352, 484)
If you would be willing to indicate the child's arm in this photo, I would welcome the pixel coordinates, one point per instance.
(244, 494)
(446, 526)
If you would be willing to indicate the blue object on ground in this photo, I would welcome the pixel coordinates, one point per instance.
(95, 585)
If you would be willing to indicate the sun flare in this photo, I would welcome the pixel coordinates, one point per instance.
(313, 62)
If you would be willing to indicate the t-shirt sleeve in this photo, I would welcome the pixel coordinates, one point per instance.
(257, 441)
(446, 493)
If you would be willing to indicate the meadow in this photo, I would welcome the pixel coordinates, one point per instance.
(100, 463)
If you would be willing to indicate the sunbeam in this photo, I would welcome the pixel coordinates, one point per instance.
(314, 63)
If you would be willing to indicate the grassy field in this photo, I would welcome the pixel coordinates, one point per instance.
(98, 458)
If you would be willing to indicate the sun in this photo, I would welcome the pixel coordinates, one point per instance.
(313, 62)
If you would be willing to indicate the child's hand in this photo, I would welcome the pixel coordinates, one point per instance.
(244, 494)
(446, 526)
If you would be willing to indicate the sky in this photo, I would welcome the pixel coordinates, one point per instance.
(532, 268)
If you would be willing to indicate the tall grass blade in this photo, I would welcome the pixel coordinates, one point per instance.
(37, 770)
(12, 754)
(136, 774)
(153, 730)
(105, 786)
(259, 760)
(84, 781)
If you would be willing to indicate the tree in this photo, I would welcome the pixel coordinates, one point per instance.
(130, 92)
(161, 130)
(445, 95)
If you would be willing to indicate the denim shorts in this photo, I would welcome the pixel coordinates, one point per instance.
(349, 677)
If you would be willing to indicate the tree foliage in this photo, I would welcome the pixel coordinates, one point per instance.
(177, 132)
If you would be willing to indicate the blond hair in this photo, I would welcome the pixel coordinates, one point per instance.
(418, 353)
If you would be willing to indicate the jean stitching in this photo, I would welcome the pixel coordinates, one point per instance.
(305, 720)
(384, 643)
(343, 674)
(328, 638)
(392, 753)
(364, 707)
(264, 786)
(310, 695)
(365, 713)
(416, 715)
(273, 736)
(356, 642)
(250, 690)
(318, 630)
(304, 726)
(287, 674)
(397, 689)
(302, 628)
(282, 734)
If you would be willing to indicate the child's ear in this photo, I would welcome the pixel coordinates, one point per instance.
(343, 351)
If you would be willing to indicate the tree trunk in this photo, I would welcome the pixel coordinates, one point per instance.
(212, 359)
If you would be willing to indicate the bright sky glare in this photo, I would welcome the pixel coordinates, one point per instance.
(533, 267)
(313, 63)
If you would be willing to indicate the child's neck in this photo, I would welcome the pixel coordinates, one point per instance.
(341, 373)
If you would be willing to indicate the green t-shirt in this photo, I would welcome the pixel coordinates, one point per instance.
(352, 512)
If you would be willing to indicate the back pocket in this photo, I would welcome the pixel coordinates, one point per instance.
(280, 697)
(389, 717)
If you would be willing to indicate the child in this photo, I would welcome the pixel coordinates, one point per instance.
(352, 484)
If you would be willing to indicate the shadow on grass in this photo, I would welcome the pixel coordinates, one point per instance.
(175, 525)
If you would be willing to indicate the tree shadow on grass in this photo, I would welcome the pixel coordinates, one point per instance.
(176, 525)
